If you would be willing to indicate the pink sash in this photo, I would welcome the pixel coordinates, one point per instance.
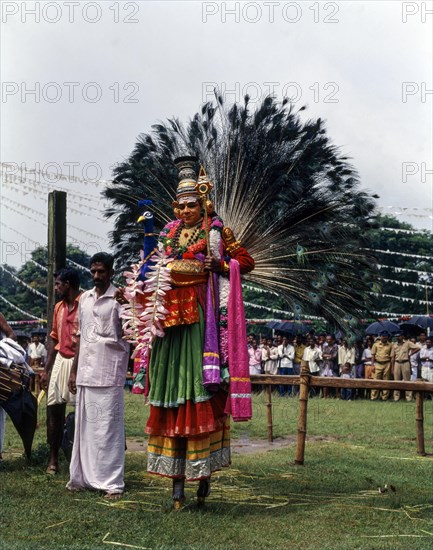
(239, 402)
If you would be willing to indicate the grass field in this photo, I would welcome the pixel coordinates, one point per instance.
(263, 501)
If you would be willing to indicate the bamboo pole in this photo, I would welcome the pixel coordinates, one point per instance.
(419, 420)
(269, 413)
(302, 419)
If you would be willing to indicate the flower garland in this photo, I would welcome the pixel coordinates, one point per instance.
(170, 236)
(144, 322)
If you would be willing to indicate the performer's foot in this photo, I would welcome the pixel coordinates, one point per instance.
(178, 504)
(203, 491)
(178, 493)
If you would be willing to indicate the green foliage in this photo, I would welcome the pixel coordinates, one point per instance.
(416, 244)
(36, 277)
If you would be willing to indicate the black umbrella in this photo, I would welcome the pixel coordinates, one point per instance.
(22, 407)
(379, 326)
(20, 404)
(422, 321)
(292, 327)
(272, 324)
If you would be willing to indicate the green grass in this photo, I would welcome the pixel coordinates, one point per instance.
(263, 501)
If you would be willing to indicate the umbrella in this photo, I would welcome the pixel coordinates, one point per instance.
(379, 326)
(292, 327)
(411, 330)
(272, 324)
(19, 402)
(22, 408)
(423, 321)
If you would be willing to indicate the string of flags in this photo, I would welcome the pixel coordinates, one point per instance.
(41, 214)
(405, 283)
(13, 306)
(39, 265)
(394, 252)
(408, 231)
(280, 312)
(78, 266)
(42, 188)
(260, 290)
(402, 298)
(398, 269)
(22, 283)
(9, 169)
(20, 234)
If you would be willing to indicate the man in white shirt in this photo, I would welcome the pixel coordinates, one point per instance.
(312, 356)
(97, 377)
(286, 354)
(426, 358)
(270, 357)
(37, 352)
(255, 358)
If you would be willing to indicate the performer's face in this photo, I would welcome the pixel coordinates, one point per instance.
(190, 212)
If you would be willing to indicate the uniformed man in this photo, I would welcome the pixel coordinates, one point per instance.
(400, 364)
(381, 363)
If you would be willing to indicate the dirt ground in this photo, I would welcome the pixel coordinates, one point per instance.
(239, 446)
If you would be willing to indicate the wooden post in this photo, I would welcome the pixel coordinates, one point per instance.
(420, 447)
(269, 412)
(56, 245)
(302, 420)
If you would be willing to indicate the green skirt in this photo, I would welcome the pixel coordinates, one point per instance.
(176, 366)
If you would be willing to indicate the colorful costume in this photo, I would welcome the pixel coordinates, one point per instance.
(198, 371)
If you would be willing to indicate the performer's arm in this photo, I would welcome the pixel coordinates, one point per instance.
(8, 330)
(233, 249)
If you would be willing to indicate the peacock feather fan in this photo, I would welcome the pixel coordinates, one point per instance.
(286, 191)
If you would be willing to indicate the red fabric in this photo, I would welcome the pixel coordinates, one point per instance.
(65, 328)
(189, 419)
(246, 262)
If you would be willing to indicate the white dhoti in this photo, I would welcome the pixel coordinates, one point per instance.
(427, 374)
(255, 369)
(98, 455)
(58, 391)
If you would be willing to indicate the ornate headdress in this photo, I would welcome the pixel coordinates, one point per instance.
(187, 178)
(188, 187)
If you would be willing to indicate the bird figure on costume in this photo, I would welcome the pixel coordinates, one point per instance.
(198, 373)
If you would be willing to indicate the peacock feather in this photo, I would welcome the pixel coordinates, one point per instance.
(286, 191)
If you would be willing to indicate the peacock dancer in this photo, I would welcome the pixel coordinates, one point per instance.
(196, 349)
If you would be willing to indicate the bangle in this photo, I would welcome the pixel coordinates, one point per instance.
(224, 267)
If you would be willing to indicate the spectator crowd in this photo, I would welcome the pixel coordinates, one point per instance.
(373, 357)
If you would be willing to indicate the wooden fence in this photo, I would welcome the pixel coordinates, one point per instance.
(306, 381)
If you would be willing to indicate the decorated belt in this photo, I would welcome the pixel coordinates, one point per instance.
(187, 272)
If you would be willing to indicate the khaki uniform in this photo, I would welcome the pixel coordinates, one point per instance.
(401, 365)
(382, 366)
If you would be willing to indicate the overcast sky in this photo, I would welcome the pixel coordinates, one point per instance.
(102, 72)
